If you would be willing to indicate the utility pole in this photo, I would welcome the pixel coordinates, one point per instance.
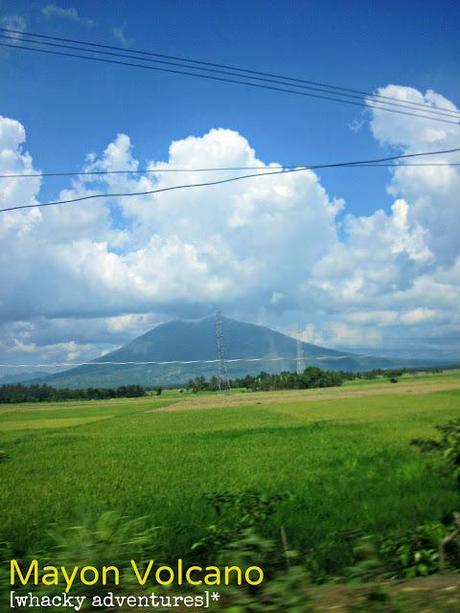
(224, 384)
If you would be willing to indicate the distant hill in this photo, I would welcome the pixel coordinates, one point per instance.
(183, 340)
(25, 377)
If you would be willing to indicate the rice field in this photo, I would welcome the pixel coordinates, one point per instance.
(343, 454)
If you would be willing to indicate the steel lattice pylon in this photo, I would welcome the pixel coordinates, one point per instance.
(300, 360)
(223, 375)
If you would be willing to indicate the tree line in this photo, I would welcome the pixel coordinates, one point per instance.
(19, 392)
(311, 377)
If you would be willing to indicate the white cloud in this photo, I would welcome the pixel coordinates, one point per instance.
(415, 134)
(416, 316)
(432, 193)
(71, 13)
(379, 252)
(265, 249)
(119, 34)
(342, 334)
(400, 268)
(372, 318)
(182, 248)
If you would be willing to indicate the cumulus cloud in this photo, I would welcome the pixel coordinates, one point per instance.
(268, 250)
(205, 245)
(432, 193)
(379, 253)
(409, 132)
(398, 268)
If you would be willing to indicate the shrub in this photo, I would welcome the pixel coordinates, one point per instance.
(415, 552)
(447, 446)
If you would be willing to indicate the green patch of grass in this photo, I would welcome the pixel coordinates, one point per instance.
(416, 378)
(40, 424)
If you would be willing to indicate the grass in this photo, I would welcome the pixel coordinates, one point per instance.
(347, 460)
(416, 377)
(52, 423)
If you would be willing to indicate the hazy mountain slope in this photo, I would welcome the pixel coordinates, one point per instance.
(183, 340)
(25, 377)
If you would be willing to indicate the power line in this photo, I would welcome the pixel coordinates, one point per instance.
(321, 88)
(365, 103)
(229, 180)
(435, 117)
(142, 171)
(223, 79)
(186, 362)
(210, 66)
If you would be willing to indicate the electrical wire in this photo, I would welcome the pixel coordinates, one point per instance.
(241, 72)
(143, 171)
(427, 109)
(229, 180)
(185, 362)
(364, 103)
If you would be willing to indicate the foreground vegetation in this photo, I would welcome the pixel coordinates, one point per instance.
(330, 486)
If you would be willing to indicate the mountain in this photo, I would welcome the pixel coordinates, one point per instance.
(184, 340)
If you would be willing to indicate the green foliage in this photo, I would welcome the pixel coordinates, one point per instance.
(251, 507)
(238, 514)
(110, 537)
(414, 553)
(311, 377)
(19, 392)
(367, 563)
(286, 590)
(6, 554)
(408, 554)
(333, 555)
(285, 585)
(346, 459)
(394, 374)
(447, 446)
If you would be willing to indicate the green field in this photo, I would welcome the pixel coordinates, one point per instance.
(346, 458)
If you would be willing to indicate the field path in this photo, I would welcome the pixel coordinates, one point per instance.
(293, 396)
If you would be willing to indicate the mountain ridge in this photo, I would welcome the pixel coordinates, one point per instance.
(188, 340)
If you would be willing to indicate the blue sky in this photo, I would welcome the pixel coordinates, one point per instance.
(69, 108)
(357, 44)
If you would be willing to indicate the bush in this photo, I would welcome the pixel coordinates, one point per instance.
(447, 447)
(414, 553)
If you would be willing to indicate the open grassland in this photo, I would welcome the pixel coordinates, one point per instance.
(410, 384)
(344, 453)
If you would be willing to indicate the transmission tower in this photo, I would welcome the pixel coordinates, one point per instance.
(224, 384)
(300, 360)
